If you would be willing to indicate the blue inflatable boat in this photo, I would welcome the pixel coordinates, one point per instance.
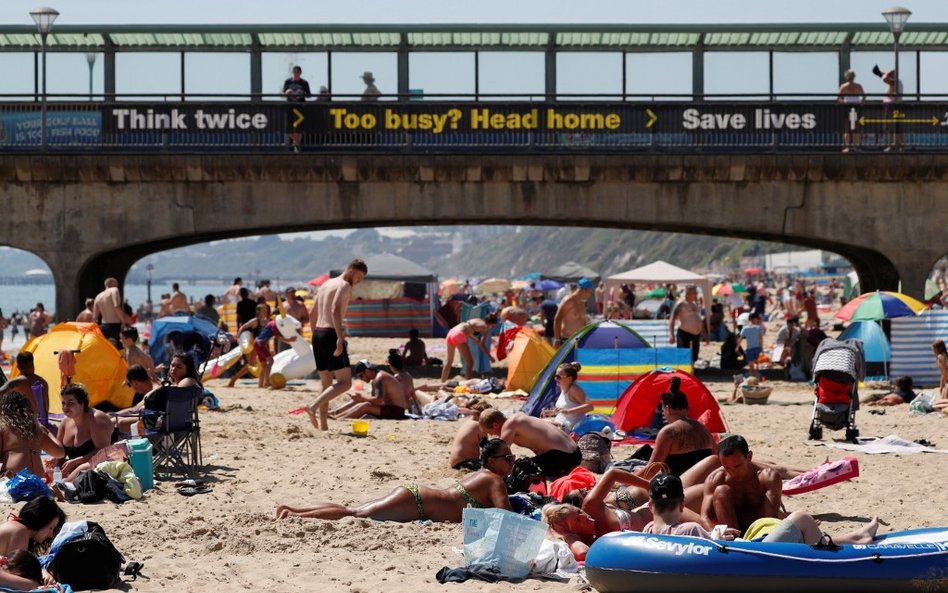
(902, 561)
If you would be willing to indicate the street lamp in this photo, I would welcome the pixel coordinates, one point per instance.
(44, 18)
(896, 17)
(149, 268)
(90, 58)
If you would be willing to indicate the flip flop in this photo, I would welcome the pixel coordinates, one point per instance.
(297, 411)
(190, 482)
(191, 490)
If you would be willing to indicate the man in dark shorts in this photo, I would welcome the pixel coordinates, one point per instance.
(555, 452)
(329, 339)
(388, 400)
(296, 90)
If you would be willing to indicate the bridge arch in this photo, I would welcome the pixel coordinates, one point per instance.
(106, 212)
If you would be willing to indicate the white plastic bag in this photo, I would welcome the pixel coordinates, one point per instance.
(554, 557)
(501, 540)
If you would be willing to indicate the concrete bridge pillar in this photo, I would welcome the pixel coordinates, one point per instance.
(80, 276)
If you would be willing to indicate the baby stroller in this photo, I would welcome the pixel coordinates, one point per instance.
(838, 367)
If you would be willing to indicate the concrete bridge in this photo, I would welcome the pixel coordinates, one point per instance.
(93, 216)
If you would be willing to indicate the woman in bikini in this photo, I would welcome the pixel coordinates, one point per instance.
(479, 329)
(83, 431)
(572, 405)
(22, 437)
(585, 516)
(484, 488)
(37, 523)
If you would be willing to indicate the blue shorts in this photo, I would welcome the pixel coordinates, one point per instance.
(752, 354)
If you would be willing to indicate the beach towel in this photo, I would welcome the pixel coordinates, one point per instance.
(67, 367)
(827, 474)
(889, 444)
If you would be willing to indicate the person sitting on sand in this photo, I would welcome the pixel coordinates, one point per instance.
(554, 451)
(22, 437)
(465, 450)
(479, 330)
(683, 441)
(388, 400)
(413, 351)
(740, 491)
(572, 405)
(484, 488)
(397, 364)
(667, 503)
(83, 431)
(903, 394)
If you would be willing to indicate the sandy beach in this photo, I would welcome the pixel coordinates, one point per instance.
(257, 455)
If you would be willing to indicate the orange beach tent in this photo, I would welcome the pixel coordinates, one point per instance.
(99, 366)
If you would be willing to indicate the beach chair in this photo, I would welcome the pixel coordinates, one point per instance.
(838, 367)
(175, 433)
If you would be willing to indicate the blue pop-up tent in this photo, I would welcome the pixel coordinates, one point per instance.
(181, 333)
(875, 345)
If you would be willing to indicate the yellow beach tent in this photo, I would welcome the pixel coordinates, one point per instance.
(99, 366)
(530, 355)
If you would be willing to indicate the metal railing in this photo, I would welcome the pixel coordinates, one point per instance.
(511, 123)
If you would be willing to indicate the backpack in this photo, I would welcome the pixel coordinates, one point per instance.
(91, 487)
(88, 561)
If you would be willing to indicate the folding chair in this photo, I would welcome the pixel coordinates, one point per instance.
(176, 436)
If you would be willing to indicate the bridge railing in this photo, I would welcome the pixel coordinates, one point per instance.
(509, 124)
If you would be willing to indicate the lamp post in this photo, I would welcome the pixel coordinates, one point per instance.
(44, 18)
(90, 58)
(149, 268)
(896, 17)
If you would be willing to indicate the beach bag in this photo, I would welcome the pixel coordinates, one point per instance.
(26, 486)
(91, 486)
(501, 541)
(88, 561)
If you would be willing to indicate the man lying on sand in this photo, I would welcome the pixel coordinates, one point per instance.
(556, 453)
(412, 502)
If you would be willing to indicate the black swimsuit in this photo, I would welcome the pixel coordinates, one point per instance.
(679, 463)
(80, 450)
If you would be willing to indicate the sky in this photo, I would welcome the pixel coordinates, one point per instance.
(482, 11)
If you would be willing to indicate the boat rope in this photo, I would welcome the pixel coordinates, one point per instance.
(877, 558)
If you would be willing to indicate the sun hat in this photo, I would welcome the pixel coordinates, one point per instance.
(367, 76)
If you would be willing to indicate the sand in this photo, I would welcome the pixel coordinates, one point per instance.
(258, 456)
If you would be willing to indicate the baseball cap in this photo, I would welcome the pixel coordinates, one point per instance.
(665, 487)
(585, 283)
(361, 367)
(596, 449)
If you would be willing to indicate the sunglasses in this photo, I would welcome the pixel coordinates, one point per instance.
(509, 457)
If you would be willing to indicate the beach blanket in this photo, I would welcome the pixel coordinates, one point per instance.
(889, 444)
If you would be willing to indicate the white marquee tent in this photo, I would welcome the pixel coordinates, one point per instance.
(658, 273)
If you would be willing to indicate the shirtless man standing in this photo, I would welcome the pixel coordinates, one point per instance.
(741, 491)
(329, 339)
(554, 451)
(688, 315)
(179, 301)
(571, 315)
(107, 310)
(388, 402)
(232, 294)
(86, 315)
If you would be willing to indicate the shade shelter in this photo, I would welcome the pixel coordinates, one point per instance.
(659, 272)
(571, 272)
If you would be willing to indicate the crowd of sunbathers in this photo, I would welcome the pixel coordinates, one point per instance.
(689, 485)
